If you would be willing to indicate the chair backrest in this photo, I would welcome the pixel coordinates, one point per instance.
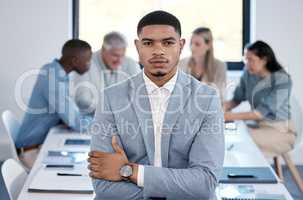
(14, 176)
(12, 127)
(297, 118)
(11, 123)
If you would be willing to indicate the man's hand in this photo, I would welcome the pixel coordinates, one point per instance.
(105, 165)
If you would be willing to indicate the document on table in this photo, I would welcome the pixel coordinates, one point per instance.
(247, 175)
(65, 157)
(63, 181)
(245, 192)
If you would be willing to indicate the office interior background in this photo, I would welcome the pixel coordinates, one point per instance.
(33, 31)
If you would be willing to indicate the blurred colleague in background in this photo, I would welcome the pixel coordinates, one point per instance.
(50, 103)
(202, 64)
(267, 87)
(109, 65)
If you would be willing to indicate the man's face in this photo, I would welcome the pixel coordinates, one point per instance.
(113, 57)
(159, 48)
(81, 62)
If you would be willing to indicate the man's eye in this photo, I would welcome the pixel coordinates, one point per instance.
(168, 43)
(147, 43)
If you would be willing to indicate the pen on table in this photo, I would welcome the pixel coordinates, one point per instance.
(230, 147)
(58, 166)
(231, 175)
(68, 174)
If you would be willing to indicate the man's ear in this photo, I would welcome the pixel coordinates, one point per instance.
(136, 42)
(74, 61)
(182, 43)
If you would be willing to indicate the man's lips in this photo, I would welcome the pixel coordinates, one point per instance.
(155, 61)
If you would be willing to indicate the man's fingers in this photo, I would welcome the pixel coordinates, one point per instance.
(116, 146)
(97, 175)
(95, 161)
(94, 175)
(96, 154)
(94, 168)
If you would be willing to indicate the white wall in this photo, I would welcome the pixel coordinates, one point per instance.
(280, 23)
(32, 33)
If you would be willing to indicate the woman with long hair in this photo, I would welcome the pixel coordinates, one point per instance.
(202, 64)
(266, 86)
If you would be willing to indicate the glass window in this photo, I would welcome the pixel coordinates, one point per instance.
(224, 18)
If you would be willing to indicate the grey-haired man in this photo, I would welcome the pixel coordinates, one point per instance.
(109, 65)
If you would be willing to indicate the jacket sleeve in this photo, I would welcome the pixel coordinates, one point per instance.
(102, 130)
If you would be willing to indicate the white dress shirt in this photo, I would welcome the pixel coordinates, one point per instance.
(158, 98)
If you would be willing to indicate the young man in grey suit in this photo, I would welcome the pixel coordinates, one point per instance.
(160, 133)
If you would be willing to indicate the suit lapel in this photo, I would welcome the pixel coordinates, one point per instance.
(140, 102)
(177, 101)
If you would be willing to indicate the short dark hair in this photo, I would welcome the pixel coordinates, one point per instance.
(263, 50)
(159, 17)
(74, 45)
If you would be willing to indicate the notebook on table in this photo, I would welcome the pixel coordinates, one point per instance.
(247, 175)
(244, 192)
(77, 142)
(65, 157)
(48, 181)
(260, 197)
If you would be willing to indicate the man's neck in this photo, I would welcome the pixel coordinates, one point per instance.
(161, 80)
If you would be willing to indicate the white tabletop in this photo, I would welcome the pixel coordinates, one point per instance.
(240, 149)
(240, 152)
(54, 140)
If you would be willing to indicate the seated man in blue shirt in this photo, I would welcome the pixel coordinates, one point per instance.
(50, 103)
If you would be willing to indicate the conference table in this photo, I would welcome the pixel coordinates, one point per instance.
(240, 151)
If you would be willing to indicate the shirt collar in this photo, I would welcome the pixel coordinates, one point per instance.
(151, 86)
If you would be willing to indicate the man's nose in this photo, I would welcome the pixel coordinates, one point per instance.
(158, 49)
(117, 58)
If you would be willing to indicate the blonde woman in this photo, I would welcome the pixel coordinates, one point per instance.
(202, 64)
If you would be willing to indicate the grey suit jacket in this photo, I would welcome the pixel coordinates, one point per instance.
(192, 142)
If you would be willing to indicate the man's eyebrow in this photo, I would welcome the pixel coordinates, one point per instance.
(164, 39)
(169, 38)
(147, 39)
